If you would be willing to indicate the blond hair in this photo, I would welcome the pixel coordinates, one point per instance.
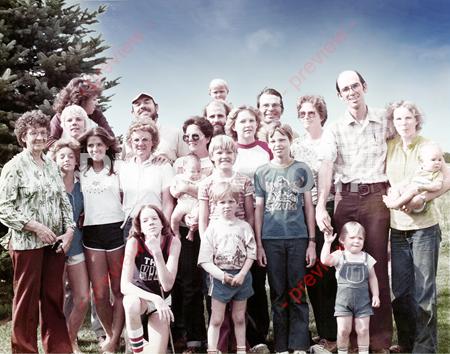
(221, 142)
(219, 82)
(352, 228)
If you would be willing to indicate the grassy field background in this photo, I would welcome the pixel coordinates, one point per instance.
(88, 343)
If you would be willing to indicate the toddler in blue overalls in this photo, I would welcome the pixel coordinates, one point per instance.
(355, 274)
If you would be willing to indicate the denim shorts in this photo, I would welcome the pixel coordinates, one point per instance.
(353, 302)
(226, 293)
(73, 260)
(106, 237)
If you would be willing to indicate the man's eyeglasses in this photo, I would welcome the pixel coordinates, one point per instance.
(193, 137)
(354, 87)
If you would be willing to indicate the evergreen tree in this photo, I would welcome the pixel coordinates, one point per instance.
(43, 45)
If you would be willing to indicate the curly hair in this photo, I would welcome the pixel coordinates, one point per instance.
(136, 230)
(112, 147)
(232, 117)
(318, 103)
(145, 126)
(410, 106)
(65, 143)
(30, 119)
(77, 91)
(202, 123)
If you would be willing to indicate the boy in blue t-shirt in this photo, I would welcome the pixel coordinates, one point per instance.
(285, 236)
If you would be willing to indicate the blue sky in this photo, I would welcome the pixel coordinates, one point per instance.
(174, 48)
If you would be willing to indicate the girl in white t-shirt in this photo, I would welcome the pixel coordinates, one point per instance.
(242, 125)
(102, 235)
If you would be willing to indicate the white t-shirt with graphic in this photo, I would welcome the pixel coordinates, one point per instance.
(101, 194)
(227, 244)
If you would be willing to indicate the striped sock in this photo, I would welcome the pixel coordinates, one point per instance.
(241, 350)
(136, 338)
(342, 350)
(363, 349)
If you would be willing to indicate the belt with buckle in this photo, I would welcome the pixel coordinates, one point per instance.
(361, 188)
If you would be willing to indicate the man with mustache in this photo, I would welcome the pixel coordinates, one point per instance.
(217, 112)
(354, 152)
(171, 143)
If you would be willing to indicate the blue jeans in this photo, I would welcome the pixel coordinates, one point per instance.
(414, 257)
(285, 270)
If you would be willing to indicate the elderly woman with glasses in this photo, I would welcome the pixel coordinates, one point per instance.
(35, 207)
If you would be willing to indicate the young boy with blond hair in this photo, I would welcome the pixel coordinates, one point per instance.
(227, 252)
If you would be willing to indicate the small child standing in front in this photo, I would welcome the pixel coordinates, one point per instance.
(355, 275)
(218, 89)
(186, 203)
(227, 252)
(428, 178)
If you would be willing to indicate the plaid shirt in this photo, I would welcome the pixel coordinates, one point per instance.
(358, 149)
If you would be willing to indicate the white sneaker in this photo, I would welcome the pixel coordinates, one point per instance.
(299, 352)
(319, 349)
(260, 348)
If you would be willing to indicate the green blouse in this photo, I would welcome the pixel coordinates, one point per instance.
(30, 192)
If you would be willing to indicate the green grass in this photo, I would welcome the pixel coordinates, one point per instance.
(443, 283)
(88, 344)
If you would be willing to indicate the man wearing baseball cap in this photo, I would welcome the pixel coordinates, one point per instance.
(171, 143)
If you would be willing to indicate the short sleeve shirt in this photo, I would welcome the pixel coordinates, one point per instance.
(143, 184)
(282, 188)
(339, 255)
(227, 244)
(101, 192)
(401, 166)
(306, 150)
(249, 157)
(358, 149)
(239, 182)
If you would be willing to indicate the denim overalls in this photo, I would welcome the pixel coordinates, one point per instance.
(352, 298)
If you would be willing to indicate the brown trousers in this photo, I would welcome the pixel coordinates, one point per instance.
(38, 283)
(370, 211)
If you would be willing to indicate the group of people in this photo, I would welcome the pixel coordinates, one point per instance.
(174, 219)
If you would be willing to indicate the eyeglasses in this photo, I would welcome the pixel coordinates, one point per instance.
(354, 87)
(35, 133)
(193, 137)
(310, 114)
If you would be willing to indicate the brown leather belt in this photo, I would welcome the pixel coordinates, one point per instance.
(360, 188)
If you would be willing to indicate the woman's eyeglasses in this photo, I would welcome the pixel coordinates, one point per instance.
(193, 137)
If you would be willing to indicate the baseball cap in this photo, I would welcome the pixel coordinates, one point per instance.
(142, 94)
